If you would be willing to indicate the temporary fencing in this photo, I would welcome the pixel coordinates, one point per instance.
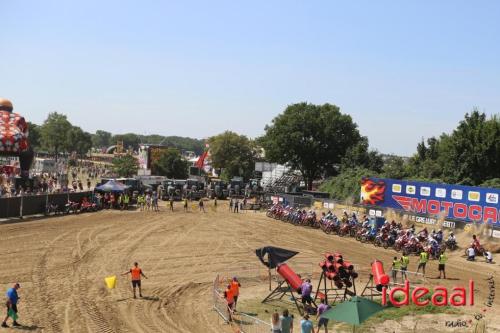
(414, 278)
(258, 274)
(239, 322)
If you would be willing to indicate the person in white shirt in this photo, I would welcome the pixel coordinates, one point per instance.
(276, 323)
(471, 254)
(488, 256)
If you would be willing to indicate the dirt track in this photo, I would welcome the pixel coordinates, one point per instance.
(61, 263)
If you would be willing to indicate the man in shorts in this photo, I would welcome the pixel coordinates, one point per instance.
(424, 257)
(171, 201)
(228, 295)
(396, 267)
(235, 288)
(136, 274)
(12, 299)
(405, 261)
(323, 322)
(442, 262)
(305, 291)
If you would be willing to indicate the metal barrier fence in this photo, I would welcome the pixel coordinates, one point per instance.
(259, 274)
(239, 322)
(35, 204)
(414, 278)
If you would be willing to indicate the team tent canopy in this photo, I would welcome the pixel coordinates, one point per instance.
(112, 186)
(354, 311)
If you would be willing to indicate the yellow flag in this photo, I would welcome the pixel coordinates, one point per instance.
(110, 282)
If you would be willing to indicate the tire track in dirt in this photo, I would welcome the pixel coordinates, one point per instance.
(40, 282)
(94, 319)
(142, 314)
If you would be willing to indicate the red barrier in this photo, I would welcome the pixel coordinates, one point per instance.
(379, 277)
(289, 275)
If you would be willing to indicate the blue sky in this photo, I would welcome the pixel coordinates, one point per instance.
(403, 69)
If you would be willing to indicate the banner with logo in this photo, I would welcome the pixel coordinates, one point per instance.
(467, 203)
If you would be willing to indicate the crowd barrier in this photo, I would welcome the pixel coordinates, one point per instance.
(259, 274)
(240, 322)
(35, 204)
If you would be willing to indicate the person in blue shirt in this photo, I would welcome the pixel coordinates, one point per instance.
(12, 299)
(306, 326)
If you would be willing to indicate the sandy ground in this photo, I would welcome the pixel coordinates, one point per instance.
(61, 263)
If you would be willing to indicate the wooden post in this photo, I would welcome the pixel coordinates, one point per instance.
(269, 272)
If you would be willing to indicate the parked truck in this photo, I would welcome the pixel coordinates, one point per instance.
(217, 188)
(253, 188)
(194, 189)
(236, 187)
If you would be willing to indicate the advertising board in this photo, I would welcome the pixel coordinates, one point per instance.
(466, 203)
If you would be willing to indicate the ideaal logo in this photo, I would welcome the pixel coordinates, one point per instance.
(460, 296)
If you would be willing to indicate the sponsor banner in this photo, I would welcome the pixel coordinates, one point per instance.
(328, 205)
(464, 203)
(318, 204)
(449, 224)
(421, 219)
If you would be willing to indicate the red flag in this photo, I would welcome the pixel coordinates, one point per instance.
(201, 160)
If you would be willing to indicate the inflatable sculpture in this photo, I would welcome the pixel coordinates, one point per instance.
(14, 137)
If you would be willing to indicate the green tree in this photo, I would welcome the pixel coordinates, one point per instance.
(78, 141)
(394, 167)
(347, 185)
(233, 153)
(310, 138)
(130, 140)
(358, 156)
(54, 132)
(125, 166)
(475, 149)
(470, 155)
(34, 136)
(172, 165)
(493, 183)
(101, 139)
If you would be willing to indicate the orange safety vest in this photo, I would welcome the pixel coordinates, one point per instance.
(229, 296)
(136, 273)
(235, 287)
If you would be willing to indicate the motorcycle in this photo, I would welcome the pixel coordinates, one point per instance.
(451, 244)
(71, 207)
(51, 208)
